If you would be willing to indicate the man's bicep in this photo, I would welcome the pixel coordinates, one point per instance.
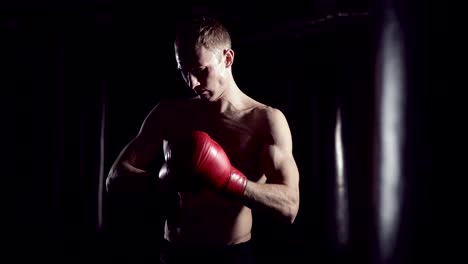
(279, 166)
(147, 145)
(143, 149)
(128, 155)
(138, 153)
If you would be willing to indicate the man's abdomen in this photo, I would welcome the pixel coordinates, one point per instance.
(206, 219)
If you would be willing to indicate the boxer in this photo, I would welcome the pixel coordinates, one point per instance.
(226, 154)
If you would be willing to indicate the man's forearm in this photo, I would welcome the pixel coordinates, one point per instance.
(277, 198)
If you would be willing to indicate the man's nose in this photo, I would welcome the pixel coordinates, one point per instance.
(193, 81)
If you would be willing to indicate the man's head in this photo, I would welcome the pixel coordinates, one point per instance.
(204, 56)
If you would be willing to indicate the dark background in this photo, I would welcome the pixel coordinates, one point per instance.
(70, 64)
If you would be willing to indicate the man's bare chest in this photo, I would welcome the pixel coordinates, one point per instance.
(240, 139)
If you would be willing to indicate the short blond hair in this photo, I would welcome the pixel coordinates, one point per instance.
(204, 31)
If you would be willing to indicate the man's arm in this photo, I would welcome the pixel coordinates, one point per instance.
(129, 170)
(280, 193)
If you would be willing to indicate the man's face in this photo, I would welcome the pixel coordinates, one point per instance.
(203, 70)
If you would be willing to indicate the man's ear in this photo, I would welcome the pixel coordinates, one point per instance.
(229, 57)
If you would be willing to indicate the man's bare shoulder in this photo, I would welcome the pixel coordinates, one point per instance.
(271, 120)
(267, 114)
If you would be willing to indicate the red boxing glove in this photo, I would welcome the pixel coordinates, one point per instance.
(197, 153)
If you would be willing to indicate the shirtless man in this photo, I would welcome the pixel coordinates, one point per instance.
(225, 155)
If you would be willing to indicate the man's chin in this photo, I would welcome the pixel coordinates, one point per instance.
(206, 97)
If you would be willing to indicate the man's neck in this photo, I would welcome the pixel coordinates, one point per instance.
(230, 101)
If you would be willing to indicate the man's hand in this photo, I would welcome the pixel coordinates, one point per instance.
(196, 154)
